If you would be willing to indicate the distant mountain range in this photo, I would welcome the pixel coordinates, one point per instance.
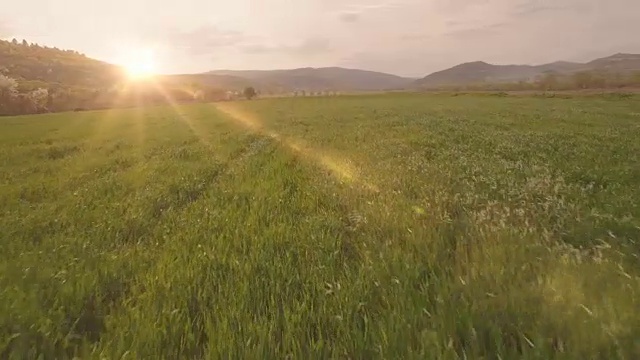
(482, 72)
(335, 78)
(35, 66)
(318, 79)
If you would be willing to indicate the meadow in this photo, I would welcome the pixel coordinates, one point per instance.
(382, 226)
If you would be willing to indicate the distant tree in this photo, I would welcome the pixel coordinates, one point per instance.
(522, 85)
(23, 104)
(8, 93)
(250, 93)
(599, 81)
(583, 79)
(7, 85)
(549, 81)
(198, 95)
(24, 42)
(39, 98)
(14, 41)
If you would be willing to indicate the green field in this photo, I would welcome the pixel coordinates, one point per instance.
(386, 226)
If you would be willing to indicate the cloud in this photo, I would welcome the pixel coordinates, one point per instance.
(530, 8)
(205, 40)
(353, 13)
(308, 47)
(475, 31)
(349, 17)
(210, 41)
(403, 36)
(416, 37)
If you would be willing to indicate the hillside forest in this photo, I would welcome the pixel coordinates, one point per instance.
(40, 79)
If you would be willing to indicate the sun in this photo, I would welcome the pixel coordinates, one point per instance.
(139, 64)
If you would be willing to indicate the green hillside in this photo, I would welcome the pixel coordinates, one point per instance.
(36, 79)
(34, 65)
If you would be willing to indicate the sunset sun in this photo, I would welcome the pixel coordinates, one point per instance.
(139, 64)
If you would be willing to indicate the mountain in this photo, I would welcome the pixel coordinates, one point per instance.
(561, 67)
(34, 66)
(479, 71)
(617, 63)
(482, 72)
(318, 79)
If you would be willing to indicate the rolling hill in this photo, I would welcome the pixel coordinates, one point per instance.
(482, 72)
(34, 65)
(317, 79)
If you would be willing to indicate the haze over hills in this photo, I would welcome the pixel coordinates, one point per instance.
(317, 79)
(482, 72)
(35, 67)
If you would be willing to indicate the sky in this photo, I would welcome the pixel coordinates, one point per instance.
(404, 37)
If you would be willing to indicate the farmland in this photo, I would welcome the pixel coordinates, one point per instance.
(383, 226)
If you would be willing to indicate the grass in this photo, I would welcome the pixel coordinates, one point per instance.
(387, 226)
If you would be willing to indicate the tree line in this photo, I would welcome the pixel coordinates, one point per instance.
(13, 101)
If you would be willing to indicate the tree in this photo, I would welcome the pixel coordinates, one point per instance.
(7, 85)
(8, 92)
(583, 79)
(549, 81)
(39, 98)
(250, 93)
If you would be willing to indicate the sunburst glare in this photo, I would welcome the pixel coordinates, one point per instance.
(139, 63)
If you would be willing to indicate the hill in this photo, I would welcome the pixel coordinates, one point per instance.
(479, 71)
(482, 72)
(33, 65)
(617, 62)
(35, 78)
(317, 79)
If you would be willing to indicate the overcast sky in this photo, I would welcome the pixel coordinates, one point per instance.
(405, 37)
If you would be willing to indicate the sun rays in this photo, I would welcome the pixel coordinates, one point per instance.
(138, 63)
(339, 167)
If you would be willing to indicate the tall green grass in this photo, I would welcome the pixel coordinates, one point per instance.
(395, 226)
